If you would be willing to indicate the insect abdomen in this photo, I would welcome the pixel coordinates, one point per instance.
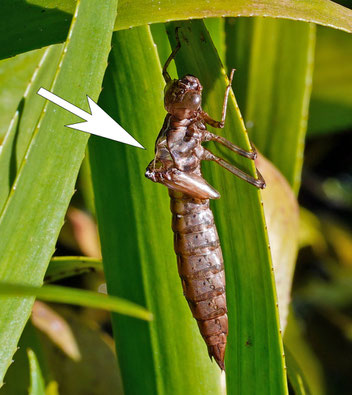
(200, 266)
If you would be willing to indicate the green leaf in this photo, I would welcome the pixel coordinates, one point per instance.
(295, 375)
(239, 33)
(304, 356)
(216, 29)
(279, 86)
(252, 310)
(324, 12)
(24, 121)
(58, 294)
(37, 385)
(34, 212)
(43, 23)
(167, 355)
(68, 266)
(163, 45)
(331, 103)
(20, 366)
(27, 25)
(15, 74)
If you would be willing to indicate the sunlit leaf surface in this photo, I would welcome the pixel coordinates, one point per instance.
(168, 355)
(43, 24)
(34, 212)
(253, 315)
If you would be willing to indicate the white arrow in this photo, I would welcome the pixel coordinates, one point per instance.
(98, 122)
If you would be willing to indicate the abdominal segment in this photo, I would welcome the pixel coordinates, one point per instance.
(200, 266)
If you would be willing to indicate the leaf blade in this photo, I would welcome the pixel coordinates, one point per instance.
(37, 386)
(279, 87)
(54, 22)
(172, 357)
(252, 305)
(59, 294)
(45, 183)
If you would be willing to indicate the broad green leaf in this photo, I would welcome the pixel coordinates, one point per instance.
(252, 305)
(80, 297)
(331, 103)
(279, 87)
(167, 355)
(34, 212)
(37, 385)
(43, 23)
(15, 74)
(67, 266)
(24, 121)
(323, 12)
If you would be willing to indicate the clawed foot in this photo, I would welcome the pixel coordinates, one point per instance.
(160, 176)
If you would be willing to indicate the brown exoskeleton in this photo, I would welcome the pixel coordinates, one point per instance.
(177, 165)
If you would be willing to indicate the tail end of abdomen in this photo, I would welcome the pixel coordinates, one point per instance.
(214, 332)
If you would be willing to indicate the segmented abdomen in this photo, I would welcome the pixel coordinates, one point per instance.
(200, 266)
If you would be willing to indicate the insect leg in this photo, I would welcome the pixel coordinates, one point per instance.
(257, 182)
(211, 121)
(232, 147)
(166, 75)
(226, 97)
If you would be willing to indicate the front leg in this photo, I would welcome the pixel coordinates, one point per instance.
(158, 174)
(210, 121)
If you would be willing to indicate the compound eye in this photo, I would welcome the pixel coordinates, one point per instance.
(192, 101)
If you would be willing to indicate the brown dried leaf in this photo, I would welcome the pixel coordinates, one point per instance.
(282, 219)
(56, 328)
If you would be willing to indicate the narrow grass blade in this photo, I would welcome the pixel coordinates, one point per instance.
(58, 294)
(279, 86)
(15, 74)
(166, 356)
(254, 356)
(37, 385)
(68, 266)
(25, 120)
(34, 212)
(295, 375)
(39, 24)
